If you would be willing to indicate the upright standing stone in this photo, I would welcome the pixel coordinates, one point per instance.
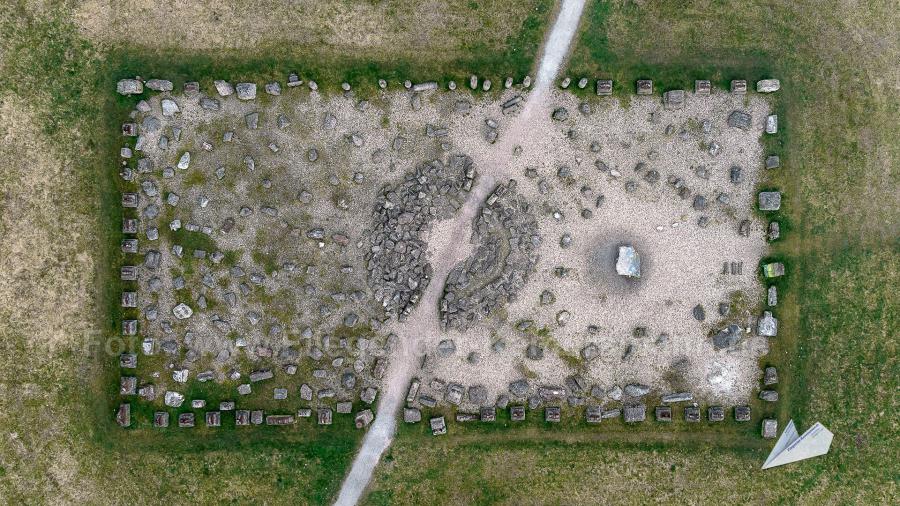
(438, 426)
(702, 87)
(739, 86)
(768, 325)
(604, 87)
(644, 87)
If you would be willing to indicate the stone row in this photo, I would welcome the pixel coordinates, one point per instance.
(635, 413)
(604, 87)
(245, 417)
(247, 90)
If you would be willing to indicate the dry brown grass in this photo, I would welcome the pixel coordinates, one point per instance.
(46, 266)
(396, 28)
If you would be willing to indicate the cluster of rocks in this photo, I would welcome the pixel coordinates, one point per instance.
(507, 239)
(593, 414)
(398, 271)
(323, 397)
(247, 91)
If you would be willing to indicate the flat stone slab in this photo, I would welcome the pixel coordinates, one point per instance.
(769, 201)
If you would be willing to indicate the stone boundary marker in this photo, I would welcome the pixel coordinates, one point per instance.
(633, 413)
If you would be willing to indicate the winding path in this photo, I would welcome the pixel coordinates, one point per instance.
(452, 249)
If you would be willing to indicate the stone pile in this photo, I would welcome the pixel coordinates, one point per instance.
(398, 271)
(507, 239)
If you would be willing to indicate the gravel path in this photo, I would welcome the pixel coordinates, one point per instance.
(450, 246)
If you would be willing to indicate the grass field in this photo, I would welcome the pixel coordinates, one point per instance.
(838, 307)
(58, 205)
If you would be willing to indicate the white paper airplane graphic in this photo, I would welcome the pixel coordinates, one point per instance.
(792, 447)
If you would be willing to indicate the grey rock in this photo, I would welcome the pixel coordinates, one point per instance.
(129, 87)
(412, 415)
(768, 395)
(590, 352)
(774, 231)
(519, 388)
(769, 201)
(446, 348)
(636, 390)
(534, 352)
(678, 397)
(560, 114)
(699, 313)
(628, 262)
(615, 393)
(223, 88)
(740, 119)
(636, 413)
(772, 296)
(727, 337)
(767, 325)
(246, 91)
(768, 85)
(770, 376)
(477, 395)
